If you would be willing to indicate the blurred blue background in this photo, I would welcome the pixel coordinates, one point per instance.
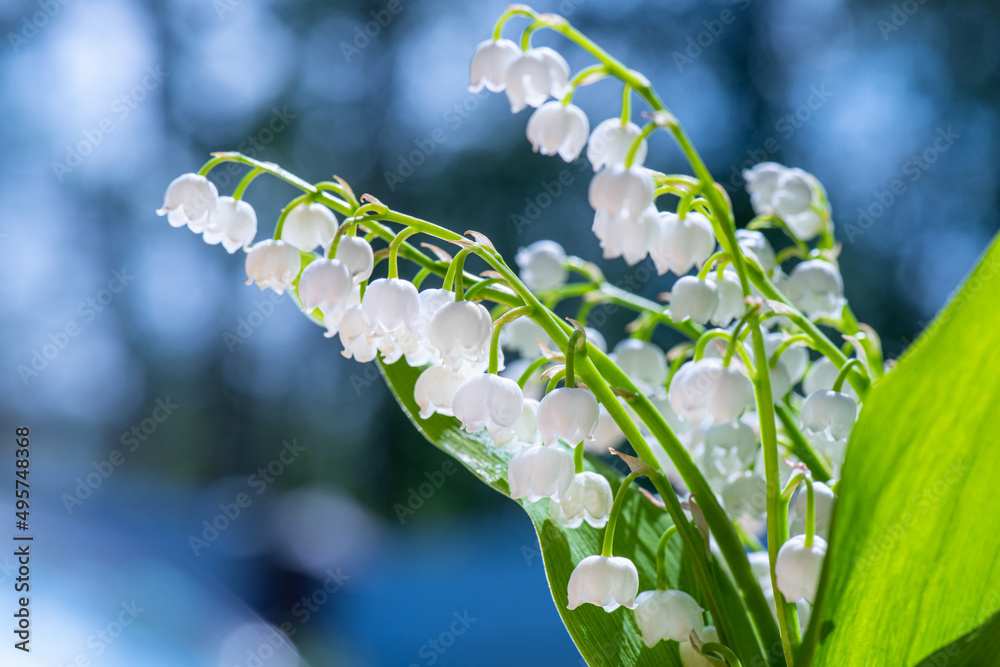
(207, 388)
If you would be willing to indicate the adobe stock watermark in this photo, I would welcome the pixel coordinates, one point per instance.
(224, 7)
(431, 651)
(785, 128)
(35, 22)
(121, 108)
(131, 440)
(550, 191)
(914, 168)
(420, 494)
(257, 484)
(365, 33)
(87, 311)
(253, 145)
(100, 641)
(898, 17)
(305, 608)
(704, 39)
(246, 325)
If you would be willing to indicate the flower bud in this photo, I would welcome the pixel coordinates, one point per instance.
(543, 265)
(588, 498)
(823, 500)
(644, 363)
(831, 413)
(558, 129)
(682, 243)
(706, 388)
(617, 188)
(488, 401)
(188, 201)
(273, 264)
(356, 335)
(490, 63)
(816, 288)
(570, 413)
(460, 331)
(357, 255)
(798, 567)
(326, 284)
(693, 298)
(435, 390)
(390, 304)
(610, 142)
(539, 471)
(232, 222)
(667, 615)
(309, 225)
(535, 76)
(626, 236)
(691, 657)
(606, 581)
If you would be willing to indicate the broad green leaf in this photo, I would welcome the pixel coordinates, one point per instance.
(604, 640)
(914, 559)
(979, 648)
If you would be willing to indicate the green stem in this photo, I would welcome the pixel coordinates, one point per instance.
(634, 148)
(801, 446)
(571, 350)
(454, 269)
(512, 11)
(722, 650)
(245, 182)
(616, 508)
(626, 104)
(579, 77)
(498, 326)
(810, 512)
(844, 370)
(578, 458)
(278, 228)
(787, 343)
(531, 370)
(394, 250)
(662, 582)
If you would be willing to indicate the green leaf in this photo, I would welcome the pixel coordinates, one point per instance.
(610, 640)
(979, 648)
(913, 561)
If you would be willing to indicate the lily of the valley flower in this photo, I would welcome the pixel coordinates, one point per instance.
(391, 304)
(691, 657)
(356, 335)
(326, 284)
(693, 298)
(309, 225)
(797, 568)
(588, 498)
(618, 189)
(682, 242)
(233, 223)
(732, 440)
(487, 401)
(570, 413)
(490, 63)
(610, 142)
(644, 363)
(558, 129)
(732, 304)
(821, 375)
(273, 264)
(435, 390)
(606, 581)
(745, 494)
(523, 433)
(543, 265)
(816, 288)
(460, 331)
(706, 388)
(535, 76)
(791, 194)
(755, 242)
(358, 256)
(829, 412)
(823, 500)
(188, 201)
(540, 471)
(669, 614)
(626, 236)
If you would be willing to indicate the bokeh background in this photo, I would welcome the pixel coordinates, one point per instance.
(201, 383)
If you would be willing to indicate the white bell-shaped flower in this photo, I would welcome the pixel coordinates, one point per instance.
(535, 76)
(752, 241)
(735, 438)
(490, 63)
(693, 298)
(522, 337)
(273, 264)
(570, 413)
(732, 304)
(670, 614)
(791, 194)
(233, 223)
(682, 243)
(588, 498)
(829, 412)
(435, 390)
(644, 363)
(661, 401)
(460, 331)
(326, 284)
(358, 256)
(309, 225)
(618, 189)
(487, 401)
(610, 142)
(691, 657)
(539, 471)
(356, 335)
(794, 359)
(626, 236)
(823, 500)
(596, 339)
(391, 304)
(762, 182)
(745, 494)
(523, 433)
(188, 201)
(798, 567)
(534, 388)
(821, 375)
(706, 388)
(816, 288)
(543, 265)
(558, 129)
(606, 581)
